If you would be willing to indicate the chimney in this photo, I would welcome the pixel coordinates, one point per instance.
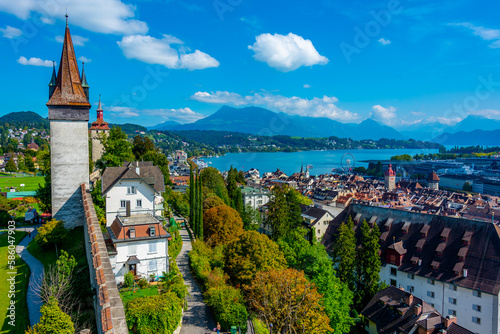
(449, 320)
(408, 299)
(127, 206)
(418, 309)
(420, 262)
(464, 273)
(137, 168)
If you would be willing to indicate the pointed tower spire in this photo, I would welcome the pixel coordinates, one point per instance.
(68, 90)
(53, 80)
(83, 79)
(100, 115)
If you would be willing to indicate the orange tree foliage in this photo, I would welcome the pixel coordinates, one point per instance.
(287, 300)
(250, 253)
(221, 225)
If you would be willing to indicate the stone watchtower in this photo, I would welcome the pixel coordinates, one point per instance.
(98, 130)
(390, 178)
(68, 115)
(433, 180)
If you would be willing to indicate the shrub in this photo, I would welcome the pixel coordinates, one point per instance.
(228, 306)
(154, 314)
(143, 283)
(53, 320)
(128, 279)
(51, 233)
(175, 245)
(173, 282)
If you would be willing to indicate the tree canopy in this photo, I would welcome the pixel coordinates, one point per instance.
(284, 211)
(250, 253)
(221, 225)
(286, 299)
(117, 149)
(213, 180)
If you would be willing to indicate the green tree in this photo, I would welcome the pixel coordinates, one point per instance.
(250, 253)
(318, 268)
(11, 166)
(222, 224)
(368, 260)
(117, 149)
(44, 193)
(53, 320)
(191, 195)
(213, 180)
(467, 187)
(212, 202)
(199, 208)
(284, 211)
(228, 305)
(65, 264)
(51, 233)
(141, 145)
(345, 253)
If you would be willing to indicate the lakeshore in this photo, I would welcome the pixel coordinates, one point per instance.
(322, 161)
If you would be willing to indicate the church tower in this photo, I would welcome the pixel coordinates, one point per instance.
(390, 178)
(68, 115)
(98, 129)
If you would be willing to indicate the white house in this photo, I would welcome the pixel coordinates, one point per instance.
(138, 185)
(138, 244)
(255, 197)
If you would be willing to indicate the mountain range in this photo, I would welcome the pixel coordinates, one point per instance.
(260, 121)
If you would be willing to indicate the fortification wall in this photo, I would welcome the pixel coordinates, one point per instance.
(110, 314)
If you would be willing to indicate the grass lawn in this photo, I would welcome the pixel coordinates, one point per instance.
(30, 183)
(128, 294)
(74, 244)
(22, 276)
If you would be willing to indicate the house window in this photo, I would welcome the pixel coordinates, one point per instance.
(152, 247)
(394, 272)
(431, 281)
(123, 204)
(139, 203)
(152, 265)
(476, 320)
(476, 307)
(393, 282)
(432, 304)
(411, 276)
(152, 231)
(430, 294)
(452, 301)
(452, 312)
(453, 287)
(131, 232)
(410, 288)
(131, 190)
(476, 293)
(132, 249)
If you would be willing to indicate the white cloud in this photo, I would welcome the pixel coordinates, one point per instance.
(317, 107)
(181, 115)
(103, 16)
(430, 120)
(384, 115)
(11, 32)
(34, 61)
(384, 41)
(488, 113)
(306, 86)
(486, 34)
(160, 51)
(84, 59)
(77, 40)
(286, 53)
(47, 20)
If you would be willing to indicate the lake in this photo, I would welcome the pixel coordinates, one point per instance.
(322, 161)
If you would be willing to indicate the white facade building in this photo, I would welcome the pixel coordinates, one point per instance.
(255, 197)
(139, 245)
(138, 185)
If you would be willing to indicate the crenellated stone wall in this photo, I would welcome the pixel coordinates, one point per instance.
(110, 313)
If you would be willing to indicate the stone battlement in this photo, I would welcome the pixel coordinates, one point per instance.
(110, 314)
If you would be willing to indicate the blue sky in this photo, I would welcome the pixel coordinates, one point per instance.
(403, 63)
